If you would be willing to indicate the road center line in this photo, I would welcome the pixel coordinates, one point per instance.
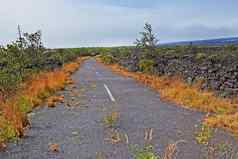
(109, 93)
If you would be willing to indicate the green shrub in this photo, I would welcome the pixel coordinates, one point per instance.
(146, 65)
(204, 134)
(7, 131)
(108, 59)
(147, 152)
(24, 104)
(200, 56)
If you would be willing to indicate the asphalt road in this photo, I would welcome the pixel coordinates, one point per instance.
(81, 133)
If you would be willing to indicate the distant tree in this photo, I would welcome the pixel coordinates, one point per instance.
(34, 45)
(34, 40)
(148, 39)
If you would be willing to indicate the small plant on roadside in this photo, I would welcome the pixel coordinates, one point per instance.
(171, 149)
(204, 134)
(147, 152)
(7, 131)
(99, 155)
(114, 136)
(223, 147)
(111, 119)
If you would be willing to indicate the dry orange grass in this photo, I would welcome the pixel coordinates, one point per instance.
(176, 90)
(52, 101)
(226, 121)
(70, 68)
(29, 95)
(1, 96)
(54, 147)
(42, 85)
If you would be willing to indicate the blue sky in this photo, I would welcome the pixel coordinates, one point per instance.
(75, 23)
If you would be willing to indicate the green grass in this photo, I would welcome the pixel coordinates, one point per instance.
(111, 119)
(204, 134)
(108, 59)
(147, 152)
(146, 65)
(24, 104)
(7, 131)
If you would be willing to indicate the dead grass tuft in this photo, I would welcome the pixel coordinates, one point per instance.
(171, 149)
(52, 101)
(54, 147)
(226, 121)
(115, 136)
(148, 135)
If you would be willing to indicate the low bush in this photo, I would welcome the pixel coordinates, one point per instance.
(146, 65)
(108, 59)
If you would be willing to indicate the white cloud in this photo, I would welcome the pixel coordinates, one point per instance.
(70, 24)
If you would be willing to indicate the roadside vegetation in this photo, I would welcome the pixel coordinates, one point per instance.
(197, 77)
(29, 73)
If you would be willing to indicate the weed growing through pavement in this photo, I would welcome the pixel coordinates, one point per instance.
(114, 136)
(221, 150)
(147, 152)
(99, 155)
(111, 119)
(148, 135)
(204, 134)
(171, 149)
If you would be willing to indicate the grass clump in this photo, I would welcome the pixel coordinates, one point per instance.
(204, 134)
(226, 121)
(7, 131)
(200, 56)
(147, 152)
(111, 119)
(24, 104)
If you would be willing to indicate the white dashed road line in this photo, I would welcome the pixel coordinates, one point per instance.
(109, 93)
